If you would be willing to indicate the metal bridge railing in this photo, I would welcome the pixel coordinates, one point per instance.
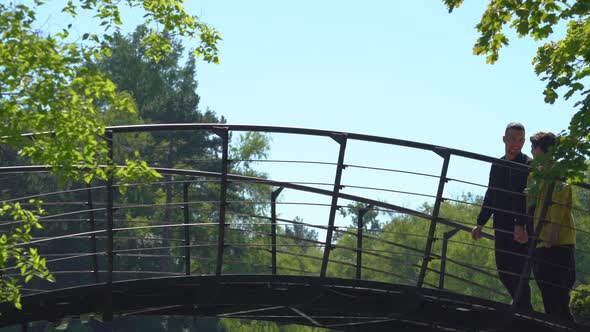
(118, 242)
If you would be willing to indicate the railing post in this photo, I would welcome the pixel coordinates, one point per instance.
(526, 270)
(92, 221)
(108, 314)
(439, 198)
(273, 228)
(443, 259)
(187, 243)
(223, 133)
(341, 139)
(359, 240)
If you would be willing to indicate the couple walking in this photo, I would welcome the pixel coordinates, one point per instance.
(517, 220)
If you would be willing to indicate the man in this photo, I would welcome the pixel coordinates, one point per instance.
(505, 199)
(555, 251)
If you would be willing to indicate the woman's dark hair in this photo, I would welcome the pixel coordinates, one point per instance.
(543, 140)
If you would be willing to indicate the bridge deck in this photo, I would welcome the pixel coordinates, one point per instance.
(339, 304)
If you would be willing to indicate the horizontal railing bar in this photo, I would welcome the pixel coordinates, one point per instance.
(389, 190)
(334, 164)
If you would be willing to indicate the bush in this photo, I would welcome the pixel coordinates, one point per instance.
(580, 304)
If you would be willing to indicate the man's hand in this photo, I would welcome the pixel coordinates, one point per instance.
(476, 232)
(520, 234)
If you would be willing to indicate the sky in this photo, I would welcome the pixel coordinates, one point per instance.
(396, 69)
(400, 69)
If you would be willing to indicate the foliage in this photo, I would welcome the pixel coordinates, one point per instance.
(299, 233)
(253, 145)
(45, 86)
(262, 326)
(563, 64)
(370, 221)
(168, 14)
(581, 213)
(164, 92)
(12, 251)
(580, 303)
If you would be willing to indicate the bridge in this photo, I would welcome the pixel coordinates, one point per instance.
(213, 238)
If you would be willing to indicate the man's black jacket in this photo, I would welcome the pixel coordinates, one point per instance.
(505, 197)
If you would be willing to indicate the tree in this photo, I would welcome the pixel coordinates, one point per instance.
(45, 86)
(370, 221)
(564, 64)
(300, 234)
(164, 92)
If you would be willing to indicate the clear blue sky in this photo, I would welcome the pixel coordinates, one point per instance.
(401, 69)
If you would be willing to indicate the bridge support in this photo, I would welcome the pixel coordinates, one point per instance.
(92, 222)
(443, 259)
(273, 228)
(433, 221)
(341, 139)
(108, 311)
(359, 240)
(187, 239)
(222, 132)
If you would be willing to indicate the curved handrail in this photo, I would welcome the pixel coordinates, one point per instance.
(302, 131)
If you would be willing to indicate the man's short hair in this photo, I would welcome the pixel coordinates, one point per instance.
(514, 126)
(543, 140)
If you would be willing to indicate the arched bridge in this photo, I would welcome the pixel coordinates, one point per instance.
(323, 234)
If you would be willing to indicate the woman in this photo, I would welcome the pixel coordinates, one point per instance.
(555, 259)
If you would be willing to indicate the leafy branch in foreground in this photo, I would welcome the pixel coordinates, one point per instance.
(563, 64)
(13, 251)
(47, 87)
